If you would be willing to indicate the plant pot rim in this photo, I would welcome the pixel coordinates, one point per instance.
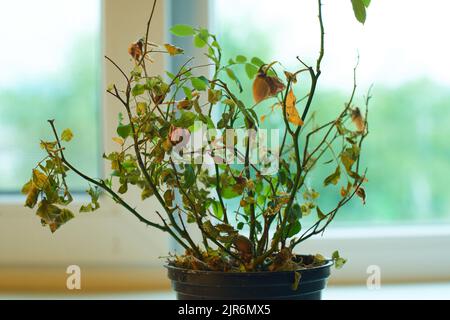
(327, 264)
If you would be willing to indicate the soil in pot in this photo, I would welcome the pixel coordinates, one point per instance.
(303, 284)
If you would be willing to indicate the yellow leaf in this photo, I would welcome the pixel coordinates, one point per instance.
(32, 196)
(39, 179)
(263, 117)
(173, 50)
(66, 135)
(141, 108)
(118, 140)
(167, 145)
(291, 110)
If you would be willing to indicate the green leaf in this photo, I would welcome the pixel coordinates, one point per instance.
(359, 9)
(182, 30)
(295, 213)
(229, 192)
(186, 119)
(146, 193)
(204, 34)
(138, 90)
(187, 93)
(233, 77)
(215, 44)
(297, 277)
(293, 229)
(366, 3)
(241, 59)
(189, 175)
(66, 135)
(231, 74)
(251, 70)
(320, 214)
(94, 193)
(334, 177)
(338, 260)
(124, 130)
(170, 75)
(217, 209)
(199, 42)
(257, 61)
(123, 188)
(199, 83)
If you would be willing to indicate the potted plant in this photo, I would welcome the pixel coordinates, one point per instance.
(249, 216)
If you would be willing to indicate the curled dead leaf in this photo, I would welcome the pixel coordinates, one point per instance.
(244, 246)
(358, 120)
(184, 104)
(291, 76)
(291, 110)
(360, 192)
(135, 49)
(265, 86)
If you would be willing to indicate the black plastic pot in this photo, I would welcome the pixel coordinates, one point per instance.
(213, 285)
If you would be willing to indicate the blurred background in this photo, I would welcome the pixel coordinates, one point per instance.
(52, 67)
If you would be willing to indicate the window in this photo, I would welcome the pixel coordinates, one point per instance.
(406, 152)
(58, 71)
(50, 65)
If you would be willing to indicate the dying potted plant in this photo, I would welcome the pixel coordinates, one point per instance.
(246, 201)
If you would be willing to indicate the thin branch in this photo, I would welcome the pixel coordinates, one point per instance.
(366, 126)
(322, 39)
(314, 229)
(118, 68)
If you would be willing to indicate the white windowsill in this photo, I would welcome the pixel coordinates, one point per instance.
(431, 291)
